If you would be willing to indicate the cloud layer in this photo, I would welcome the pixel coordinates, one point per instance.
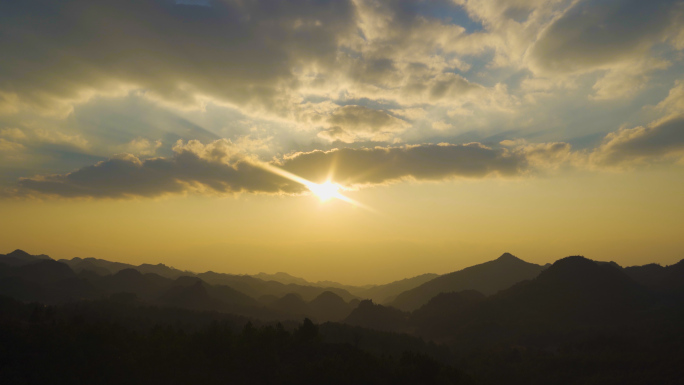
(218, 167)
(356, 86)
(237, 52)
(222, 167)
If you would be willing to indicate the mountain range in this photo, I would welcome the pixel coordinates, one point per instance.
(508, 320)
(505, 285)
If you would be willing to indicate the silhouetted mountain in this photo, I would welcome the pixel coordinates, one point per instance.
(487, 278)
(354, 290)
(378, 317)
(329, 306)
(104, 267)
(20, 258)
(649, 275)
(658, 278)
(388, 292)
(46, 281)
(194, 294)
(145, 286)
(673, 279)
(262, 284)
(283, 278)
(230, 296)
(287, 279)
(578, 288)
(267, 299)
(98, 264)
(78, 265)
(293, 305)
(578, 321)
(162, 270)
(189, 294)
(256, 288)
(573, 291)
(45, 271)
(436, 317)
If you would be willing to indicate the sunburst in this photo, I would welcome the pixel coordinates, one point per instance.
(324, 191)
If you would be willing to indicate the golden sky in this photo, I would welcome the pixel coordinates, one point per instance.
(456, 130)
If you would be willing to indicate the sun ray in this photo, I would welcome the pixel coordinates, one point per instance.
(324, 191)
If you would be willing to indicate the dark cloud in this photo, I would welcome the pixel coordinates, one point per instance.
(235, 51)
(221, 167)
(128, 176)
(422, 162)
(597, 33)
(217, 168)
(659, 140)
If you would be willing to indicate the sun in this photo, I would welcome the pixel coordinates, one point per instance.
(325, 191)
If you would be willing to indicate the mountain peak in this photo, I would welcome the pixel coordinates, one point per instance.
(583, 272)
(574, 261)
(327, 296)
(508, 257)
(26, 257)
(18, 253)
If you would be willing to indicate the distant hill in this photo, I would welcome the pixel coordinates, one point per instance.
(256, 288)
(283, 278)
(191, 295)
(487, 278)
(104, 267)
(79, 264)
(388, 292)
(288, 279)
(293, 305)
(579, 289)
(659, 278)
(162, 270)
(230, 296)
(89, 264)
(355, 290)
(378, 317)
(52, 282)
(20, 258)
(573, 291)
(329, 306)
(44, 280)
(437, 316)
(576, 321)
(45, 271)
(145, 286)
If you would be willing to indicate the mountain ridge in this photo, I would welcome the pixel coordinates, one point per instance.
(487, 278)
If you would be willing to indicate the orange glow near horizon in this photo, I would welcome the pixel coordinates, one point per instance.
(424, 227)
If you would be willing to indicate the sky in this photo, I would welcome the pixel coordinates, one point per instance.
(197, 133)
